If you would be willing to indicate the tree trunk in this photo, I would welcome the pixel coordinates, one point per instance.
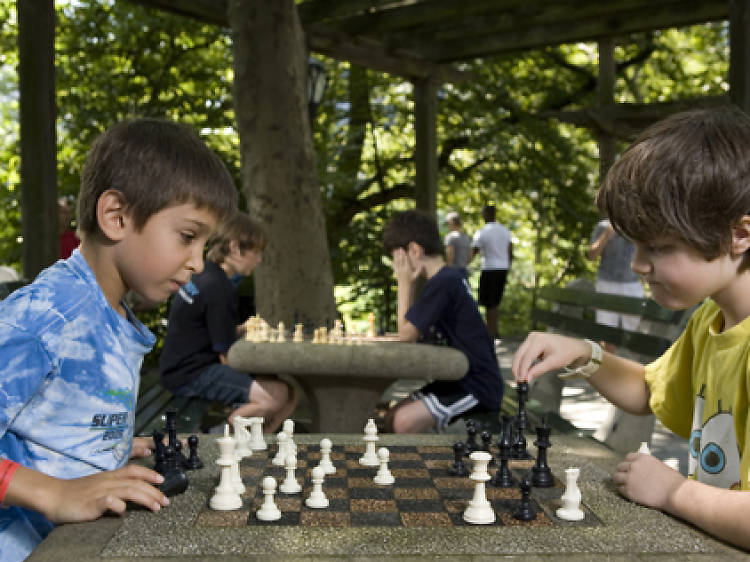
(294, 282)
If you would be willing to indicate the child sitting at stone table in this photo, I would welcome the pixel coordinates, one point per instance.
(412, 239)
(203, 324)
(681, 193)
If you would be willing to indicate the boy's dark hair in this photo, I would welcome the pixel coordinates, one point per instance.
(247, 231)
(488, 213)
(412, 226)
(687, 177)
(155, 164)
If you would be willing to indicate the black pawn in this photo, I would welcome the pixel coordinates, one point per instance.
(486, 438)
(181, 459)
(159, 457)
(193, 462)
(175, 479)
(503, 477)
(541, 473)
(471, 437)
(458, 468)
(525, 512)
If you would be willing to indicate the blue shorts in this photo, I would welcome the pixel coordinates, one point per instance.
(220, 383)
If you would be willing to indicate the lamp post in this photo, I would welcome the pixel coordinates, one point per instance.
(317, 81)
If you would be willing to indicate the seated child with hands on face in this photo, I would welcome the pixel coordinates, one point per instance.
(681, 193)
(71, 350)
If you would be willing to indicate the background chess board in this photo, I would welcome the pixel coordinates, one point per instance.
(423, 495)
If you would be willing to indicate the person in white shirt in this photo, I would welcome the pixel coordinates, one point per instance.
(495, 245)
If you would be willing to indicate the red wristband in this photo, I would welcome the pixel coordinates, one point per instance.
(7, 470)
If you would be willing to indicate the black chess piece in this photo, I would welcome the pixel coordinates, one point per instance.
(159, 458)
(175, 479)
(522, 393)
(503, 478)
(471, 437)
(181, 458)
(170, 426)
(486, 438)
(458, 468)
(541, 473)
(525, 512)
(193, 461)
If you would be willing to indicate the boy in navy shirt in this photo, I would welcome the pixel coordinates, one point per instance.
(412, 239)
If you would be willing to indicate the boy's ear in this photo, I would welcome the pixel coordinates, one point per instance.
(741, 236)
(110, 214)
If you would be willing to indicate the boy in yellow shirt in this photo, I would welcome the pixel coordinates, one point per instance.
(681, 193)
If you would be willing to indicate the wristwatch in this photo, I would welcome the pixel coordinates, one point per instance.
(585, 371)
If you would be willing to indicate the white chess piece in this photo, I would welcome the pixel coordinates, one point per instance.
(325, 456)
(479, 511)
(268, 510)
(290, 484)
(299, 333)
(281, 452)
(257, 443)
(281, 336)
(571, 499)
(288, 428)
(644, 448)
(317, 499)
(225, 496)
(370, 458)
(383, 476)
(241, 437)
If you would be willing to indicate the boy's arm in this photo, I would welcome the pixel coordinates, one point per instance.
(450, 254)
(718, 511)
(619, 380)
(406, 277)
(87, 498)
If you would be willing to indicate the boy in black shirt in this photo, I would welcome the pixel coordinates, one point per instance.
(203, 324)
(413, 240)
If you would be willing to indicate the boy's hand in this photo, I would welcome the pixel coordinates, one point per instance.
(646, 480)
(88, 498)
(142, 447)
(542, 352)
(403, 269)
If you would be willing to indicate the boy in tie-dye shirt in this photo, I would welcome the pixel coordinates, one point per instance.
(70, 349)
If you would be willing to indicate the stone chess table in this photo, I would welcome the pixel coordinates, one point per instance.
(345, 382)
(392, 523)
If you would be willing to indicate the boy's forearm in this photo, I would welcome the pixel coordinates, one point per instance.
(718, 511)
(32, 490)
(406, 294)
(622, 382)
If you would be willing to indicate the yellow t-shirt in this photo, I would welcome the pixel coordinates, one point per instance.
(704, 377)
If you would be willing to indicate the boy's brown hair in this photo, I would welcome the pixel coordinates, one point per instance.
(154, 164)
(248, 232)
(686, 177)
(412, 226)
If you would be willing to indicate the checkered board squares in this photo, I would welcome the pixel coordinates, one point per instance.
(424, 494)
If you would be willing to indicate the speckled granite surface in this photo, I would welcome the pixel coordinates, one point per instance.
(627, 531)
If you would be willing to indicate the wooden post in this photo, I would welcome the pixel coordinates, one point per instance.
(36, 40)
(425, 125)
(605, 93)
(739, 53)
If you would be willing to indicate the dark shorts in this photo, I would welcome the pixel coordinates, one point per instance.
(220, 383)
(445, 401)
(491, 287)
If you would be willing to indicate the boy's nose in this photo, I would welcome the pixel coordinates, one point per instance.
(195, 263)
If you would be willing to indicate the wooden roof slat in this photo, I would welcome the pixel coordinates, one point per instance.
(210, 11)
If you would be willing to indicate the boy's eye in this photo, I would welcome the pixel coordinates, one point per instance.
(187, 237)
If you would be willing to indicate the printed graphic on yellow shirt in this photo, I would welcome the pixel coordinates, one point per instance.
(714, 454)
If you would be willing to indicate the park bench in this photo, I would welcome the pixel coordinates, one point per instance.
(572, 311)
(194, 415)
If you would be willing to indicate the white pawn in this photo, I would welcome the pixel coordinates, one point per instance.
(325, 456)
(384, 476)
(241, 437)
(257, 443)
(317, 498)
(290, 484)
(268, 510)
(299, 333)
(281, 337)
(280, 458)
(644, 448)
(479, 510)
(370, 458)
(571, 499)
(225, 496)
(288, 428)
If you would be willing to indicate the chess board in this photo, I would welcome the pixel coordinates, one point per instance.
(423, 495)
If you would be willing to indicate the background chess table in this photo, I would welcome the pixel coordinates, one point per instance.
(187, 528)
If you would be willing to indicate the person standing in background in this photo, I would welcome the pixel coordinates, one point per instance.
(68, 239)
(494, 243)
(457, 244)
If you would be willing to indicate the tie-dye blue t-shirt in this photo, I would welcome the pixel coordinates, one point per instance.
(69, 374)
